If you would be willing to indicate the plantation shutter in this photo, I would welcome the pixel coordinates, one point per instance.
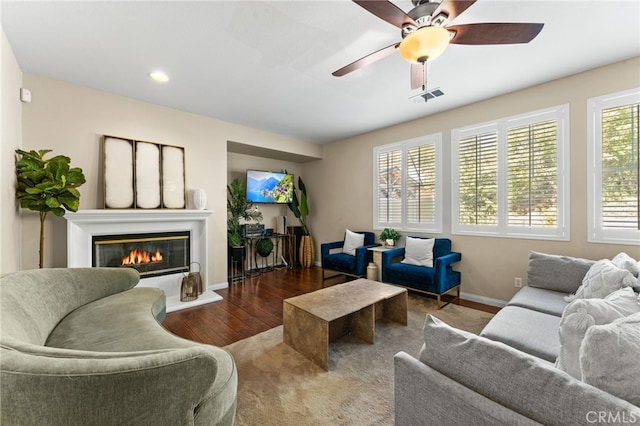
(532, 171)
(478, 179)
(421, 184)
(620, 167)
(389, 191)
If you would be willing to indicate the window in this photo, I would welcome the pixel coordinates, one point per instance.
(510, 177)
(613, 168)
(407, 185)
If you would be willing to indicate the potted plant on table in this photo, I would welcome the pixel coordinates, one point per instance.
(47, 185)
(238, 208)
(389, 236)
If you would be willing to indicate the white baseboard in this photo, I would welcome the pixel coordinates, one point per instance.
(483, 299)
(218, 286)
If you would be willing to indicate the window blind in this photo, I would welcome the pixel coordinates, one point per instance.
(532, 167)
(389, 190)
(421, 184)
(478, 179)
(620, 167)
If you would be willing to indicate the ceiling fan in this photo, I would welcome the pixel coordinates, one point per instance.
(426, 33)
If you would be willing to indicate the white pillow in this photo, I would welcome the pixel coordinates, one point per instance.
(624, 261)
(419, 251)
(352, 240)
(609, 358)
(582, 314)
(602, 279)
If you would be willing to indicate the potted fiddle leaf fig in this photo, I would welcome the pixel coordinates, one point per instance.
(47, 185)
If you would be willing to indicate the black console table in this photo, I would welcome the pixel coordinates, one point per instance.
(252, 255)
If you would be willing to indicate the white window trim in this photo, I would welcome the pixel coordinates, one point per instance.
(595, 232)
(562, 231)
(433, 139)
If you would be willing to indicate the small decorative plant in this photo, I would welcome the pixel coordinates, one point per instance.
(389, 236)
(47, 185)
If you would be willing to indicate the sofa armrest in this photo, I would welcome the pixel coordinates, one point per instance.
(391, 255)
(526, 384)
(421, 393)
(442, 264)
(325, 248)
(363, 257)
(76, 387)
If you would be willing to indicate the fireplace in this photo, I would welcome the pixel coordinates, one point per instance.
(114, 232)
(151, 254)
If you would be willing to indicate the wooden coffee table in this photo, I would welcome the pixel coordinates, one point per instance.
(314, 319)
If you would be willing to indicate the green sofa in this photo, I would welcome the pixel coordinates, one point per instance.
(83, 346)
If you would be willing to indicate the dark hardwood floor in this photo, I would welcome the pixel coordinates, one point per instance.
(254, 306)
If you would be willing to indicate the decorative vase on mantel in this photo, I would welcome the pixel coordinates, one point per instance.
(199, 199)
(306, 251)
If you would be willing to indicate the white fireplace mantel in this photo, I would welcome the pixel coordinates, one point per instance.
(84, 224)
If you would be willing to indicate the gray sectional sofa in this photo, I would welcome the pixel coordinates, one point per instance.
(508, 375)
(84, 346)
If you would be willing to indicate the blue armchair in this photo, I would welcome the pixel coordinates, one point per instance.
(346, 264)
(437, 281)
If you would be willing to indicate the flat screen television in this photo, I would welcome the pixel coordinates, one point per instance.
(269, 187)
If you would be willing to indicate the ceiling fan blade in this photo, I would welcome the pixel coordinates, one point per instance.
(369, 59)
(452, 8)
(494, 33)
(386, 11)
(418, 76)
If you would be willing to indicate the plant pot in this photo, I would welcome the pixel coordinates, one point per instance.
(390, 242)
(237, 254)
(305, 253)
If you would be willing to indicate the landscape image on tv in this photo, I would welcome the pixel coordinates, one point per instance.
(269, 187)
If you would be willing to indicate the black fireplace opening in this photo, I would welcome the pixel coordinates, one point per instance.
(151, 254)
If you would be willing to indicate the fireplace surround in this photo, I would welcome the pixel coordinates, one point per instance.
(85, 227)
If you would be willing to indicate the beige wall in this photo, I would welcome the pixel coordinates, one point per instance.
(340, 185)
(10, 139)
(237, 165)
(70, 120)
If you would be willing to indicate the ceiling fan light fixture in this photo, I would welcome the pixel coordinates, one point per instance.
(426, 43)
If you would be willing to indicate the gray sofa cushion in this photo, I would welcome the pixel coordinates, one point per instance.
(557, 273)
(416, 382)
(518, 381)
(533, 332)
(539, 299)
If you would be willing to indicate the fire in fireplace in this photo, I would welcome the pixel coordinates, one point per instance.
(152, 254)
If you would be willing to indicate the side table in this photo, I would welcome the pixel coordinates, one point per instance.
(377, 258)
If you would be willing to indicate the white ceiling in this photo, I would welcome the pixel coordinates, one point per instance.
(268, 64)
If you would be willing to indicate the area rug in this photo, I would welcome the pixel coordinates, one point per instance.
(279, 386)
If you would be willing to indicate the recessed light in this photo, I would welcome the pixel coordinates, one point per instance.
(159, 76)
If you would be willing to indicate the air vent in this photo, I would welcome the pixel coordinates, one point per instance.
(425, 96)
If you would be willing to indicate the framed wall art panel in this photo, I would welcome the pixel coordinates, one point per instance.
(173, 177)
(147, 175)
(118, 173)
(144, 175)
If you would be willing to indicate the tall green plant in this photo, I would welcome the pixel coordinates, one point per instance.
(300, 208)
(47, 185)
(238, 208)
